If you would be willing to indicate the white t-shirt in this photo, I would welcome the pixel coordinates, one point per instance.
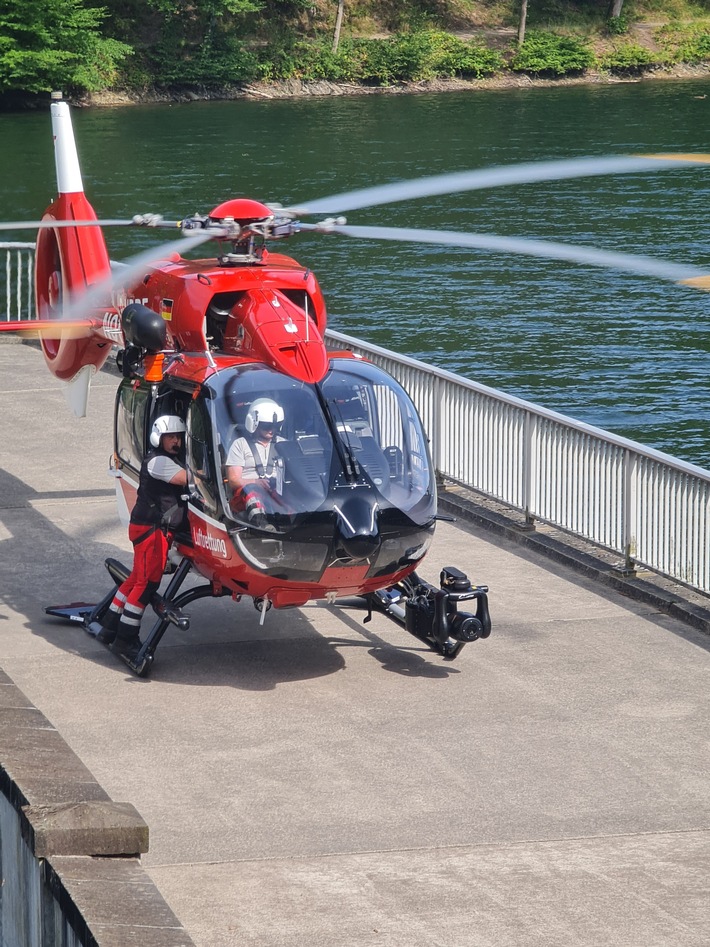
(240, 455)
(163, 468)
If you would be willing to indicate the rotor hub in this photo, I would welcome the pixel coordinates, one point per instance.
(240, 210)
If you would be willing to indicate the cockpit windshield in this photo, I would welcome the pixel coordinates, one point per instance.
(286, 447)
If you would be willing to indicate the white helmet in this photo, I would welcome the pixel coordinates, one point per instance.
(167, 424)
(263, 411)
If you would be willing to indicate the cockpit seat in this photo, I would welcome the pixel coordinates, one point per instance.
(305, 467)
(372, 459)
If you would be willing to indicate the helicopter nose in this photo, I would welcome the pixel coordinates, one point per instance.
(358, 533)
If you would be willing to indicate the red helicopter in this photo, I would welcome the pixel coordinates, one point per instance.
(353, 497)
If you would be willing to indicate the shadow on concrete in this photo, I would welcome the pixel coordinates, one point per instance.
(415, 659)
(43, 566)
(251, 665)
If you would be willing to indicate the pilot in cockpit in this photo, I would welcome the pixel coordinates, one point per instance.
(253, 466)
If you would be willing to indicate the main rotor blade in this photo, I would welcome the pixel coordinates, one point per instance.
(133, 266)
(89, 313)
(647, 266)
(145, 220)
(83, 305)
(495, 177)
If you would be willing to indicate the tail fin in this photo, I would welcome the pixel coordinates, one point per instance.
(66, 159)
(69, 260)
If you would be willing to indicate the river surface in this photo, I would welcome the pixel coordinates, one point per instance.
(625, 353)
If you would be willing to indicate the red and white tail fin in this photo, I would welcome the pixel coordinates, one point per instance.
(68, 262)
(66, 159)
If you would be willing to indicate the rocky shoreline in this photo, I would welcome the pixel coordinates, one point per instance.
(296, 88)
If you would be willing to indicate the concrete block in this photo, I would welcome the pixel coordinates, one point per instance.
(38, 791)
(86, 828)
(37, 766)
(114, 900)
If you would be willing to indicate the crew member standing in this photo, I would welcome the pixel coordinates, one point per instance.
(159, 511)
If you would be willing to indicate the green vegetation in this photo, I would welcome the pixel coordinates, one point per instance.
(690, 43)
(629, 59)
(145, 45)
(44, 43)
(551, 54)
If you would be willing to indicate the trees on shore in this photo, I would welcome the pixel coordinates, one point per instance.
(148, 44)
(49, 43)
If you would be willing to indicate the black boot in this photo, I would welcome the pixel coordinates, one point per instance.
(127, 648)
(106, 636)
(105, 629)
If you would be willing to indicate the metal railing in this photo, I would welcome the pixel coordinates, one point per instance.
(649, 507)
(646, 506)
(16, 281)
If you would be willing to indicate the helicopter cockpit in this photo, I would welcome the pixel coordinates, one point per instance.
(348, 477)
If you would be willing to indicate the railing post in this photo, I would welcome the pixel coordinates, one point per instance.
(437, 418)
(529, 438)
(629, 504)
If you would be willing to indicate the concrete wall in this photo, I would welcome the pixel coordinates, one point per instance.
(70, 873)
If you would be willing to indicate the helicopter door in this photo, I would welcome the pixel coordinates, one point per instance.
(132, 407)
(200, 456)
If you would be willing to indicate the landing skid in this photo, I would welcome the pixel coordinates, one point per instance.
(428, 613)
(167, 607)
(432, 615)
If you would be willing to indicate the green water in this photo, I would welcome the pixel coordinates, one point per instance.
(622, 352)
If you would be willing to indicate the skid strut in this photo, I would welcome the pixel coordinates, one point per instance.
(432, 614)
(167, 607)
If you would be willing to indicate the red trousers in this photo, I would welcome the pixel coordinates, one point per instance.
(150, 553)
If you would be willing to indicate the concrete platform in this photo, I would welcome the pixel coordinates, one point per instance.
(323, 782)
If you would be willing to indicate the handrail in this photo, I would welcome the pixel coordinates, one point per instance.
(17, 281)
(650, 508)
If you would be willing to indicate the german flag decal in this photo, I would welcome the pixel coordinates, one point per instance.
(166, 309)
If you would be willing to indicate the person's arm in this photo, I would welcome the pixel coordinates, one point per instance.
(180, 477)
(168, 470)
(234, 467)
(234, 477)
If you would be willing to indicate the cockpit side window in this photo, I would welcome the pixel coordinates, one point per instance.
(131, 410)
(168, 400)
(296, 472)
(200, 455)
